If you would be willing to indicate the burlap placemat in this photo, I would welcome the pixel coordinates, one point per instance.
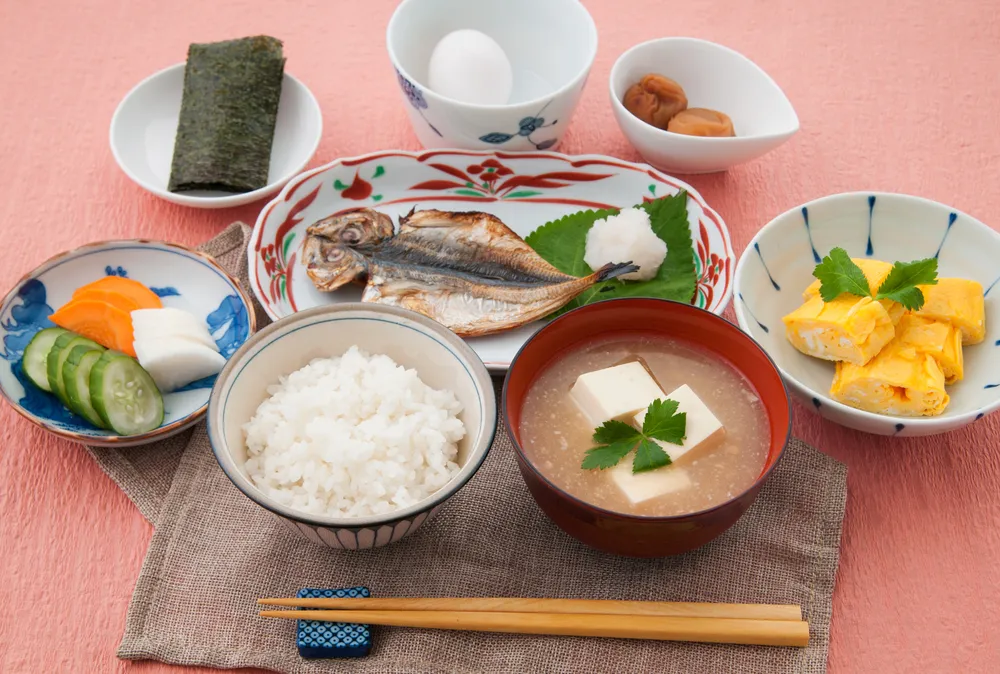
(214, 553)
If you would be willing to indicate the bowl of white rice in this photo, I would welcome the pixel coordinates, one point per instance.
(353, 423)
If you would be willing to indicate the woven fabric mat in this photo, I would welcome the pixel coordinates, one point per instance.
(214, 552)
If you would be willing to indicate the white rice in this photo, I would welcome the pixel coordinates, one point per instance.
(353, 436)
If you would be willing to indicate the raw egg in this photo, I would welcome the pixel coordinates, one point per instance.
(469, 66)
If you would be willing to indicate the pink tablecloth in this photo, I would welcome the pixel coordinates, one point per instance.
(897, 96)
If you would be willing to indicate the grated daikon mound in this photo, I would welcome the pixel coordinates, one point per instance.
(626, 237)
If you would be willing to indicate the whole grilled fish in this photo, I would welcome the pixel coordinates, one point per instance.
(468, 271)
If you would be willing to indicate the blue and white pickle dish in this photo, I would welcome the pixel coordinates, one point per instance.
(181, 277)
(546, 50)
(442, 360)
(777, 266)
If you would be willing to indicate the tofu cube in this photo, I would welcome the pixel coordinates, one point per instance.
(851, 329)
(614, 393)
(957, 301)
(702, 428)
(651, 484)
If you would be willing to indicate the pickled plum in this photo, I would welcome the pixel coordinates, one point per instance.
(702, 122)
(655, 100)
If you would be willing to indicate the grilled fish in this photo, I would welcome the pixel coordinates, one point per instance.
(468, 271)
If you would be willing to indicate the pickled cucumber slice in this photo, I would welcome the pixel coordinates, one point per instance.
(124, 395)
(35, 354)
(76, 377)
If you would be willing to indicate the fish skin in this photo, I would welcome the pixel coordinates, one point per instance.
(467, 270)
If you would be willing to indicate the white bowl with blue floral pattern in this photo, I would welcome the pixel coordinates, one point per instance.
(777, 266)
(551, 45)
(181, 277)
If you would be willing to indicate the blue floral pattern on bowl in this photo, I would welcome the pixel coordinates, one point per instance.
(26, 318)
(182, 278)
(168, 291)
(416, 98)
(526, 127)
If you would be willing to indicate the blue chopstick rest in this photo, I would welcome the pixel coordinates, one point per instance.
(318, 639)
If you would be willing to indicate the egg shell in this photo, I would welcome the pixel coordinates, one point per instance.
(469, 66)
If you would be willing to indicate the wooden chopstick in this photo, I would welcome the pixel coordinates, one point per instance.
(664, 628)
(532, 605)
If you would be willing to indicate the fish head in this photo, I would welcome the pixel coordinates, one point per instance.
(334, 250)
(330, 264)
(356, 228)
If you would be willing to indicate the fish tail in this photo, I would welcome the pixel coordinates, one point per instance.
(614, 270)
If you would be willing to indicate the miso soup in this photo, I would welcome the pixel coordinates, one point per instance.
(556, 434)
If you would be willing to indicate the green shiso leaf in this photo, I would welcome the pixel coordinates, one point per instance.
(562, 243)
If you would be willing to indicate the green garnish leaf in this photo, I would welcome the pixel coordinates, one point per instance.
(607, 456)
(562, 243)
(910, 298)
(663, 423)
(613, 431)
(838, 274)
(904, 277)
(649, 456)
(617, 439)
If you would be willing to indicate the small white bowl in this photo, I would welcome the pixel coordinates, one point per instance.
(713, 77)
(551, 45)
(777, 267)
(440, 357)
(145, 123)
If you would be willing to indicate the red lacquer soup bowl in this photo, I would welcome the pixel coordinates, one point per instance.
(635, 535)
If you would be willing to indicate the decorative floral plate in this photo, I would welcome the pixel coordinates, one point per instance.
(181, 277)
(525, 190)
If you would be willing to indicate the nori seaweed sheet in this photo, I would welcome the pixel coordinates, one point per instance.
(228, 114)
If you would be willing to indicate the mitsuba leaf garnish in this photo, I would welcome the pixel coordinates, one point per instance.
(562, 243)
(616, 439)
(904, 277)
(838, 274)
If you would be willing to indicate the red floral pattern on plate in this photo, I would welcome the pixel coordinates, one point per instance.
(490, 179)
(277, 261)
(474, 177)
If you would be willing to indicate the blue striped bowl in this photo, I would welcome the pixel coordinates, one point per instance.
(182, 277)
(777, 266)
(442, 359)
